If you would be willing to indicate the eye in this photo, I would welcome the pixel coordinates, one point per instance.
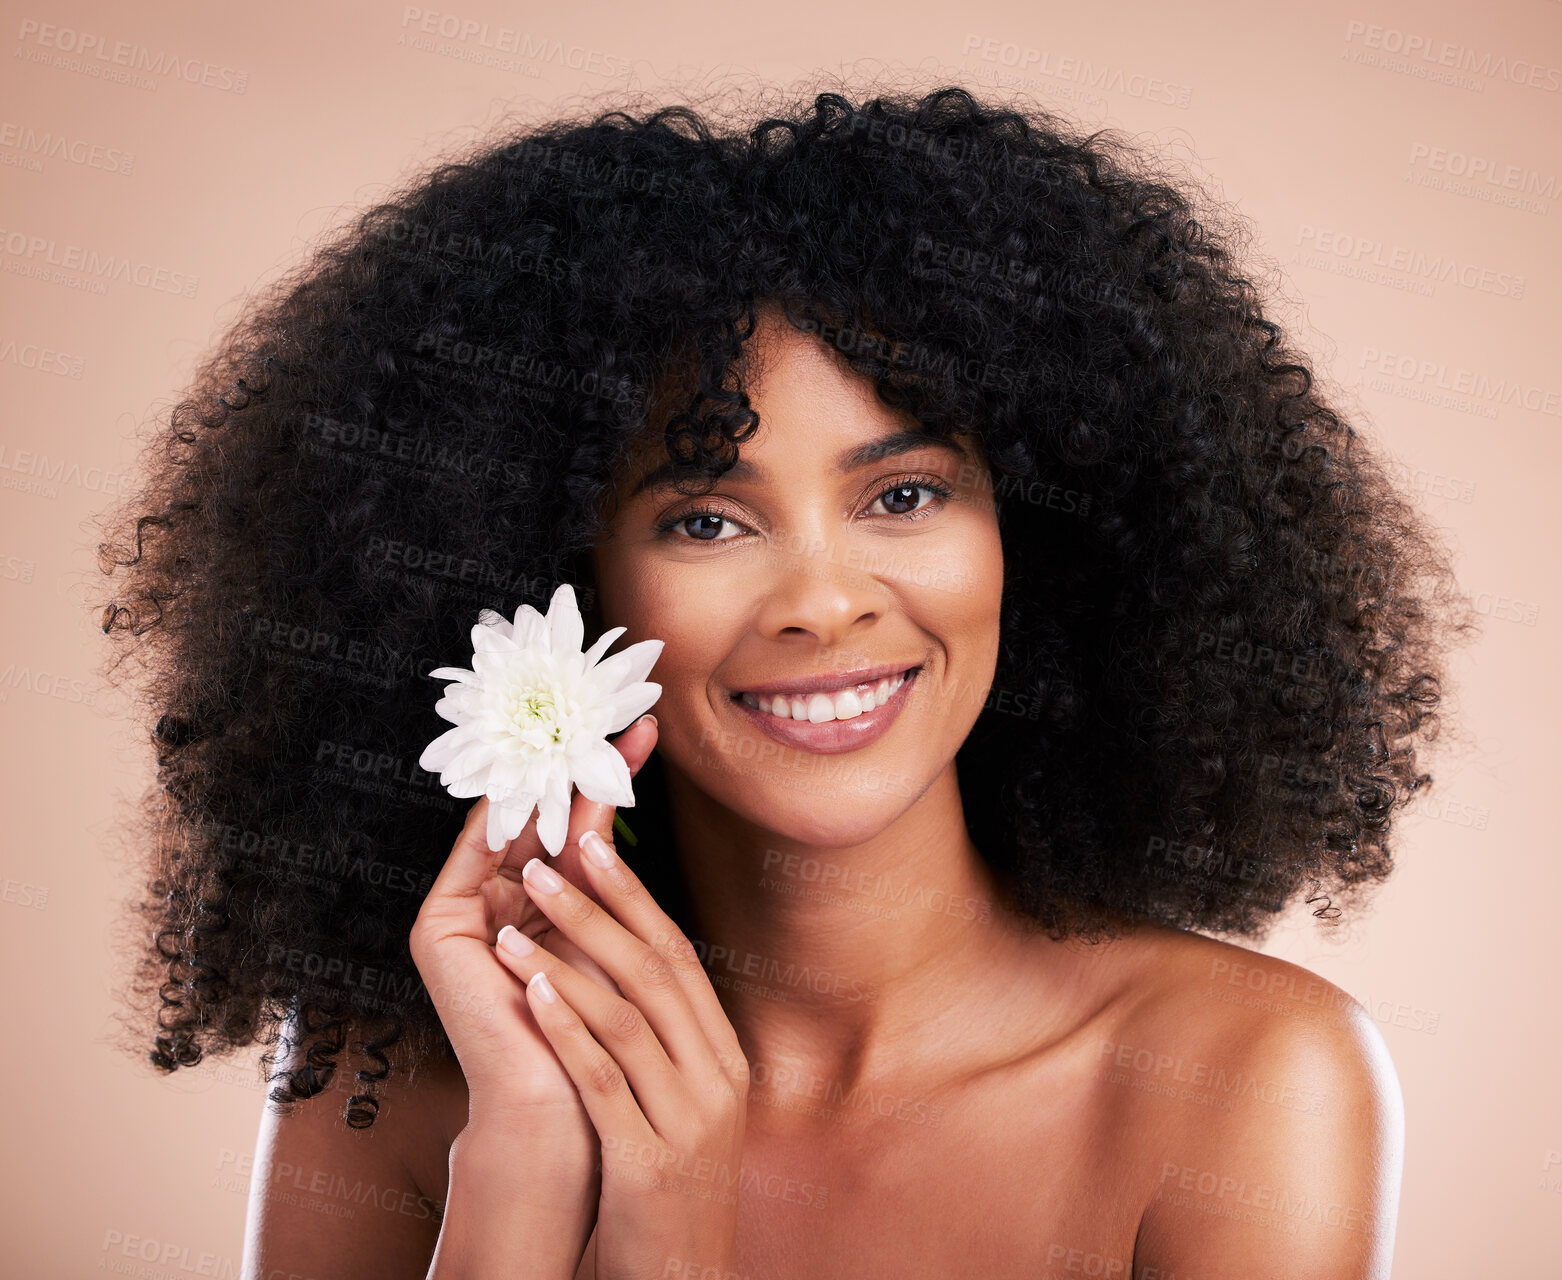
(706, 519)
(894, 497)
(708, 523)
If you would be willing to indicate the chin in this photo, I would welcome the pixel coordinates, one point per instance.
(835, 800)
(812, 808)
(835, 830)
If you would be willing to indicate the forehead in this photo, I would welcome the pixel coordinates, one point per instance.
(822, 405)
(849, 458)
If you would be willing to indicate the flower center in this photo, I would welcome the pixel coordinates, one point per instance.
(533, 708)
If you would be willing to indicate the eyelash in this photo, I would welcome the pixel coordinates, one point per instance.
(933, 485)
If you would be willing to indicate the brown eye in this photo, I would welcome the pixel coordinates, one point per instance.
(902, 498)
(701, 526)
(694, 525)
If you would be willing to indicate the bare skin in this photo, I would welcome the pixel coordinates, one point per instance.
(1014, 1145)
(949, 1092)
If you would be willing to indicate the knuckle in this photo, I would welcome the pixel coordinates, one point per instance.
(577, 909)
(627, 883)
(625, 1023)
(606, 1077)
(714, 1132)
(723, 1101)
(655, 971)
(738, 1071)
(680, 953)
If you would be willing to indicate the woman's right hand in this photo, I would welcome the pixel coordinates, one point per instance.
(514, 1079)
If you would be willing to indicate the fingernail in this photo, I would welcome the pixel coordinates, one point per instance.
(515, 942)
(596, 848)
(540, 984)
(645, 717)
(544, 878)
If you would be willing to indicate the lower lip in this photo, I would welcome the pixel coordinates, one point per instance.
(832, 736)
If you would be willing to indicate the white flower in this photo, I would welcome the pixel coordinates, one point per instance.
(532, 718)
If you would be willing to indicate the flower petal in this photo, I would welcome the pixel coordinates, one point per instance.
(467, 785)
(452, 708)
(603, 644)
(444, 748)
(601, 774)
(507, 818)
(566, 629)
(627, 665)
(489, 638)
(630, 703)
(494, 621)
(476, 756)
(521, 771)
(553, 809)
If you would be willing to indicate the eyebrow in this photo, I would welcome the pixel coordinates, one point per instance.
(897, 442)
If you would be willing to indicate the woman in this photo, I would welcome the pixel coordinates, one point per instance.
(919, 398)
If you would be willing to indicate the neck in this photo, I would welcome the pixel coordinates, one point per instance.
(821, 955)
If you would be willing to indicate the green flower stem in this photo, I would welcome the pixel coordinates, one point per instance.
(622, 827)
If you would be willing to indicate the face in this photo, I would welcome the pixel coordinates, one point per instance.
(810, 565)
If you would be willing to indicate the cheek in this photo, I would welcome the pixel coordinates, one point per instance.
(987, 596)
(963, 566)
(962, 612)
(688, 618)
(965, 588)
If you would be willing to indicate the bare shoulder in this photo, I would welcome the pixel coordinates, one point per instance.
(440, 1096)
(1215, 989)
(328, 1199)
(433, 1102)
(1276, 1120)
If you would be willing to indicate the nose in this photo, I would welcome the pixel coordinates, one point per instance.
(809, 594)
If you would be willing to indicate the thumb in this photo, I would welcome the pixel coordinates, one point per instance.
(471, 861)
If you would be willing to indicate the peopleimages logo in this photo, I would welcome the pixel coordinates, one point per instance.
(58, 146)
(53, 472)
(30, 254)
(29, 355)
(452, 26)
(98, 56)
(1415, 47)
(1361, 253)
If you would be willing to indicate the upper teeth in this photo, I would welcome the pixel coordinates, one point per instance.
(837, 704)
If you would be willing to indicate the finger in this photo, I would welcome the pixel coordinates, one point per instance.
(572, 955)
(643, 973)
(454, 907)
(624, 898)
(456, 896)
(614, 1025)
(603, 1086)
(635, 744)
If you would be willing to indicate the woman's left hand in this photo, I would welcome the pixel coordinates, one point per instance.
(671, 1150)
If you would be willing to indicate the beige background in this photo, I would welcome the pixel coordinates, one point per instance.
(1350, 158)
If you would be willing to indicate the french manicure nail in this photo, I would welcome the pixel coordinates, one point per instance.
(596, 848)
(540, 984)
(542, 877)
(515, 942)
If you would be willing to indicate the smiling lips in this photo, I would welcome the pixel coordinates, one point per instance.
(816, 708)
(827, 721)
